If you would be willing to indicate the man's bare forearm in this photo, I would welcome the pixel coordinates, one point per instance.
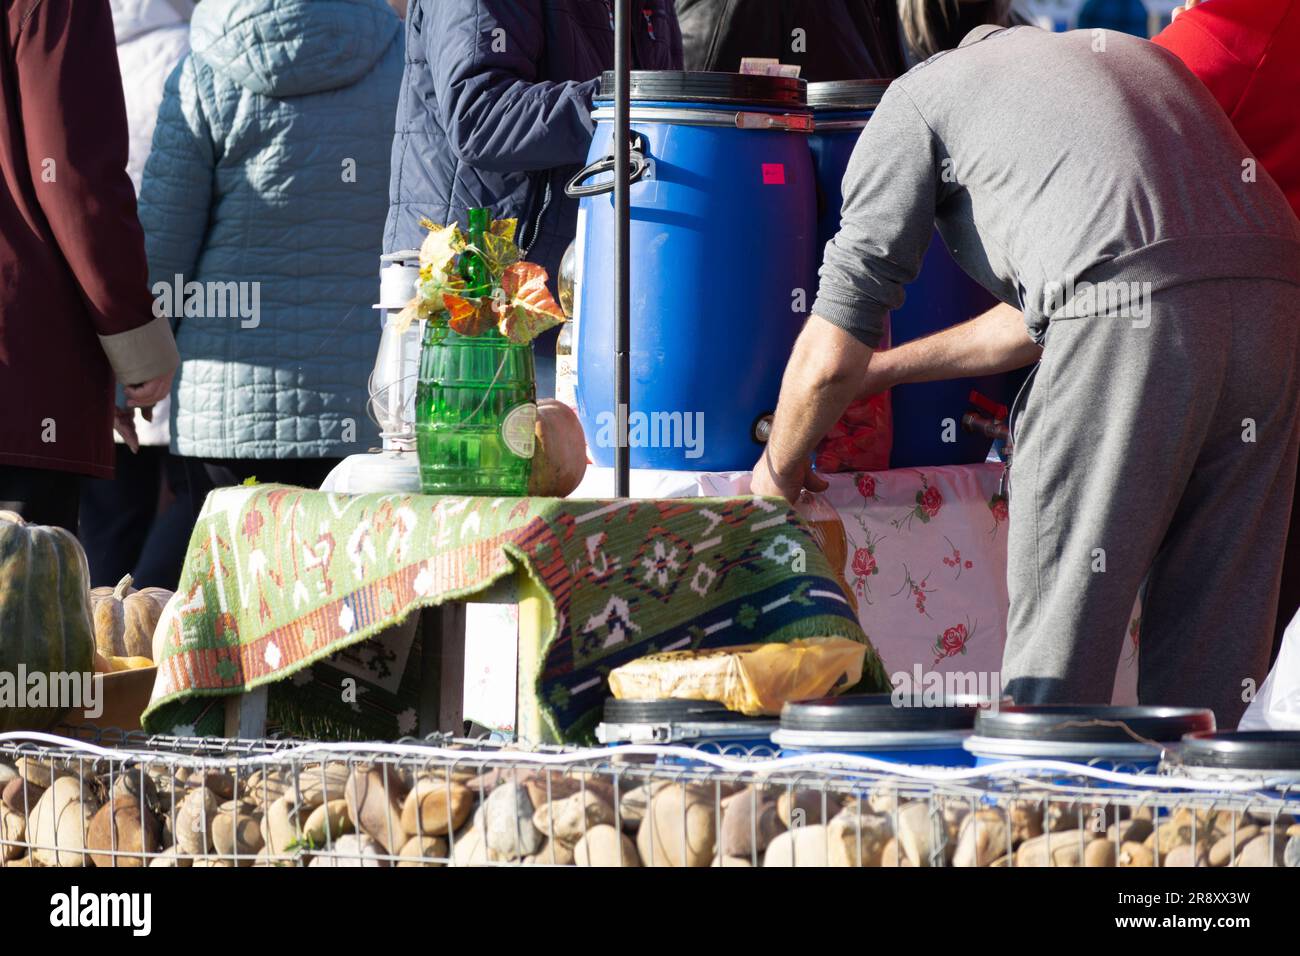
(823, 376)
(989, 344)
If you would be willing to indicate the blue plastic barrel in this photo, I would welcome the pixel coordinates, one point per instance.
(1269, 757)
(699, 724)
(941, 296)
(1128, 739)
(722, 230)
(873, 725)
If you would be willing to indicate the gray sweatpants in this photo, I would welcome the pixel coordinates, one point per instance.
(1165, 453)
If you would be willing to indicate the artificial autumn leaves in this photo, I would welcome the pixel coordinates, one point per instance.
(521, 308)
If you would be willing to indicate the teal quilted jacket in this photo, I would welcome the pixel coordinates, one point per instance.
(263, 202)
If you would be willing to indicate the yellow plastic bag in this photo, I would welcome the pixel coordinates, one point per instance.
(750, 679)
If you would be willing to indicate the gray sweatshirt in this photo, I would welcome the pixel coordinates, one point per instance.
(1050, 160)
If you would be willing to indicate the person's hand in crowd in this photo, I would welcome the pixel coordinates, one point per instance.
(150, 393)
(1186, 6)
(124, 425)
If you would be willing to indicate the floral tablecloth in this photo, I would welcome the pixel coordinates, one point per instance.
(277, 579)
(926, 559)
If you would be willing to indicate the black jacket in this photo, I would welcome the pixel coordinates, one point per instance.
(840, 39)
(496, 106)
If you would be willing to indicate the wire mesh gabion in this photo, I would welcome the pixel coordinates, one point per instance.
(108, 798)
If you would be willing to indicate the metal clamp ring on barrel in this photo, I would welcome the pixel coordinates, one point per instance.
(794, 122)
(636, 158)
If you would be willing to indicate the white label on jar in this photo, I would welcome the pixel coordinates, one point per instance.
(517, 429)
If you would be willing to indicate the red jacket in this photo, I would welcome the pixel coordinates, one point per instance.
(75, 306)
(1248, 53)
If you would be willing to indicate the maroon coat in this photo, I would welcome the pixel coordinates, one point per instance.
(75, 306)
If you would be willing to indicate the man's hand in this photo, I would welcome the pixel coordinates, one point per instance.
(150, 393)
(124, 425)
(824, 374)
(769, 484)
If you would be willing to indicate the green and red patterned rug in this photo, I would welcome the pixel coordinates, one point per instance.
(278, 579)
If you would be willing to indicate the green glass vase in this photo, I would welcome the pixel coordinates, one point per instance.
(475, 408)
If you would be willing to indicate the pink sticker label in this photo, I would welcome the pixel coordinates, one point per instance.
(774, 174)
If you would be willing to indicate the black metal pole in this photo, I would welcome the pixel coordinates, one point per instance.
(622, 214)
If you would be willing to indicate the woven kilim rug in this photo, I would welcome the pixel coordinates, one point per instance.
(279, 578)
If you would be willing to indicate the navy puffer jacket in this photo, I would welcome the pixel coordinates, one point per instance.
(496, 107)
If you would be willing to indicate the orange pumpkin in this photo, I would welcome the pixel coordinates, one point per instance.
(125, 618)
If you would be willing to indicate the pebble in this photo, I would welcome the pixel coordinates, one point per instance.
(891, 857)
(193, 824)
(917, 832)
(1100, 853)
(1026, 821)
(222, 784)
(58, 822)
(603, 845)
(663, 839)
(38, 772)
(13, 827)
(802, 846)
(1064, 848)
(1225, 849)
(123, 827)
(352, 849)
(1186, 855)
(321, 783)
(543, 787)
(568, 819)
(1263, 850)
(1135, 830)
(634, 802)
(1135, 854)
(1291, 855)
(20, 795)
(470, 849)
(132, 785)
(237, 834)
(508, 822)
(374, 798)
(858, 839)
(424, 851)
(749, 823)
(170, 858)
(982, 839)
(435, 806)
(551, 853)
(264, 788)
(281, 827)
(327, 822)
(805, 807)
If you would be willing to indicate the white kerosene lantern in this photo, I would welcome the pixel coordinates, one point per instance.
(395, 467)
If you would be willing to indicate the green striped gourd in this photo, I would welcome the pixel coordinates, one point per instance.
(44, 611)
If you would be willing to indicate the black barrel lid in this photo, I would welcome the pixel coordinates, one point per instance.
(669, 710)
(1243, 750)
(1073, 723)
(700, 87)
(875, 713)
(846, 94)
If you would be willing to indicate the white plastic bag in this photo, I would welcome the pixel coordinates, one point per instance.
(1277, 704)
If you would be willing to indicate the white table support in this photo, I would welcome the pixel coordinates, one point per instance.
(441, 633)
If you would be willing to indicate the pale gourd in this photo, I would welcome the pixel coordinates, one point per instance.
(559, 452)
(125, 618)
(44, 611)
